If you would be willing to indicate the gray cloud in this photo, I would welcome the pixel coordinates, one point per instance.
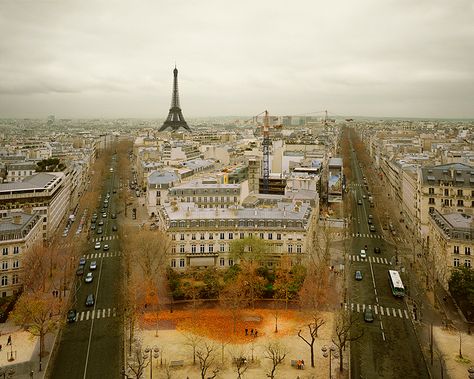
(114, 59)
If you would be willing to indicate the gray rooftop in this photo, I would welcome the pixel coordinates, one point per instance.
(7, 224)
(41, 180)
(162, 177)
(458, 174)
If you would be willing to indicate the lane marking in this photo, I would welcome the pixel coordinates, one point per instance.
(406, 314)
(87, 315)
(400, 313)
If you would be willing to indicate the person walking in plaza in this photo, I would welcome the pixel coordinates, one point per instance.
(9, 342)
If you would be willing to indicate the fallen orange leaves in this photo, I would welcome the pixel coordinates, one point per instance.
(217, 324)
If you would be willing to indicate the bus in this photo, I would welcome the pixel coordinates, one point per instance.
(396, 283)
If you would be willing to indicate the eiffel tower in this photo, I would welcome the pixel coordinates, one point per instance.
(175, 119)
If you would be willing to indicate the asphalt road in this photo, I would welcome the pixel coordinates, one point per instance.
(388, 347)
(91, 347)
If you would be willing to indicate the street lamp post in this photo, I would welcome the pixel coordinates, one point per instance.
(330, 352)
(154, 353)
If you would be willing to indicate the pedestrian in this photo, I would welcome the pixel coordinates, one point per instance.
(0, 347)
(9, 342)
(246, 332)
(251, 332)
(256, 332)
(302, 364)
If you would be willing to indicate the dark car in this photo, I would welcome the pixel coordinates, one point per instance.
(358, 275)
(377, 250)
(368, 315)
(99, 231)
(71, 315)
(113, 215)
(80, 271)
(90, 300)
(82, 261)
(114, 228)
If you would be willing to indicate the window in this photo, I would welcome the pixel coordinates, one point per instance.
(193, 249)
(446, 192)
(278, 236)
(181, 262)
(202, 236)
(467, 263)
(16, 264)
(5, 265)
(231, 262)
(222, 261)
(460, 203)
(459, 192)
(431, 191)
(262, 236)
(456, 262)
(298, 249)
(173, 237)
(16, 250)
(193, 236)
(4, 280)
(173, 249)
(290, 249)
(270, 236)
(456, 250)
(222, 248)
(467, 250)
(15, 279)
(242, 236)
(201, 248)
(211, 236)
(5, 251)
(181, 237)
(222, 236)
(231, 236)
(431, 200)
(211, 248)
(181, 248)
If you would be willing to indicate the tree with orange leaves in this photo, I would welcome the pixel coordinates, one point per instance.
(233, 298)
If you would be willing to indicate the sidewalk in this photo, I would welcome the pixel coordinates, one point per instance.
(25, 351)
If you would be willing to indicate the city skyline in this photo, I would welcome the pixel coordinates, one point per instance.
(88, 60)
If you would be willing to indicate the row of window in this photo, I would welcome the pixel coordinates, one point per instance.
(460, 192)
(467, 250)
(222, 248)
(16, 250)
(467, 262)
(174, 262)
(230, 236)
(15, 265)
(449, 202)
(236, 223)
(4, 281)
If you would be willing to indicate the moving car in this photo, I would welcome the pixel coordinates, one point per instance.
(114, 228)
(90, 300)
(99, 230)
(372, 228)
(97, 246)
(101, 222)
(80, 271)
(359, 202)
(104, 215)
(93, 265)
(106, 247)
(358, 275)
(363, 254)
(82, 261)
(113, 215)
(89, 277)
(368, 315)
(377, 250)
(71, 315)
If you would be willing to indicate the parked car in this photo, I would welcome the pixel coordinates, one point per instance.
(71, 315)
(89, 277)
(93, 265)
(82, 261)
(97, 246)
(101, 222)
(113, 215)
(114, 228)
(106, 247)
(372, 228)
(90, 300)
(104, 215)
(80, 271)
(92, 226)
(368, 315)
(359, 202)
(358, 275)
(99, 230)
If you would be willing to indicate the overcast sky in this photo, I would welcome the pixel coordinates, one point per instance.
(411, 58)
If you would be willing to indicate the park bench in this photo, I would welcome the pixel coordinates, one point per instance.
(177, 363)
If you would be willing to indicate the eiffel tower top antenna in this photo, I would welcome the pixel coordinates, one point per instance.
(175, 119)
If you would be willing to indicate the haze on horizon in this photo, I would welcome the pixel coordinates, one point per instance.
(114, 59)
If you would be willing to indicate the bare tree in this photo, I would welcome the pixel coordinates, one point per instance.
(193, 341)
(234, 299)
(313, 326)
(207, 360)
(240, 361)
(347, 329)
(136, 365)
(35, 264)
(276, 352)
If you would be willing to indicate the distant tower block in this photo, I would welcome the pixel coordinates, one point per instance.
(175, 119)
